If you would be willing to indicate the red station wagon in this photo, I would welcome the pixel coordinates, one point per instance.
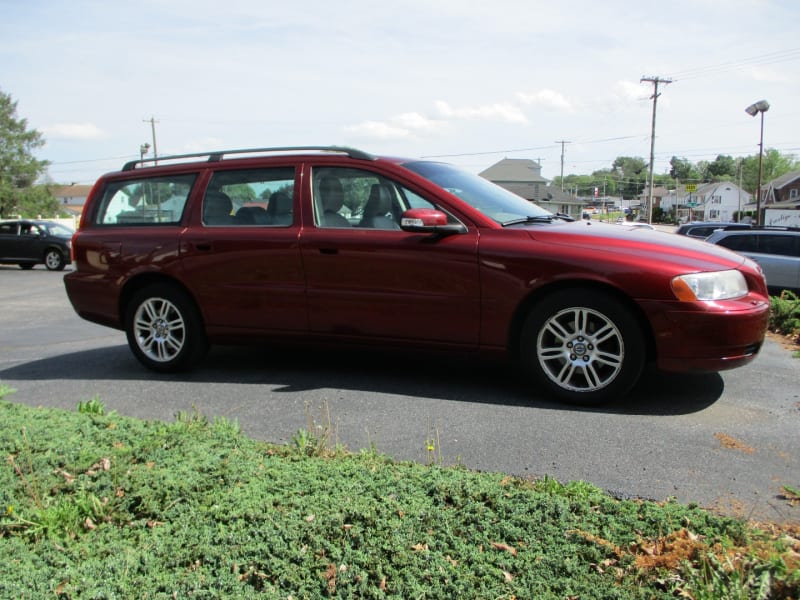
(330, 244)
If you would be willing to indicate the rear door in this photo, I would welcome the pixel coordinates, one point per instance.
(240, 255)
(779, 257)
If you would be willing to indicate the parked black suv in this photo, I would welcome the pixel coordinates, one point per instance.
(28, 243)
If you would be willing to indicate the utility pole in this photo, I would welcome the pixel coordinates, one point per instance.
(562, 142)
(153, 122)
(655, 81)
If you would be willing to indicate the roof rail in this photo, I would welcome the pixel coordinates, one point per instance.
(218, 155)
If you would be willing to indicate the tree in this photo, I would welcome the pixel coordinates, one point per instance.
(723, 168)
(774, 164)
(631, 173)
(18, 167)
(683, 170)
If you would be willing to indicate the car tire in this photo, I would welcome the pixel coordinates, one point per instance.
(164, 329)
(54, 260)
(583, 346)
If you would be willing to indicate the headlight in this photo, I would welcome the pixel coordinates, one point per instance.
(717, 285)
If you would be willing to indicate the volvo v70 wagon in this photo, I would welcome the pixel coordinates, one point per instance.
(334, 245)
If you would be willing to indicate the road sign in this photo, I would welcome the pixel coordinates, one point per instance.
(691, 187)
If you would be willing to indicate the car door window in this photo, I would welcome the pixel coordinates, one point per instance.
(783, 245)
(252, 197)
(740, 243)
(8, 229)
(346, 198)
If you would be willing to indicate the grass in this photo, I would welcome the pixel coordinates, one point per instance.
(95, 505)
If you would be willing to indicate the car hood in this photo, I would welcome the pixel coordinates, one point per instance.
(658, 246)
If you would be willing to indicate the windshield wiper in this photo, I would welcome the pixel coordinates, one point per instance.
(529, 219)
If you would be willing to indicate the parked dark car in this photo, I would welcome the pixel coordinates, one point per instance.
(776, 250)
(336, 246)
(703, 229)
(27, 243)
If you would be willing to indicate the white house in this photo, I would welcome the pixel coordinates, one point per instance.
(718, 201)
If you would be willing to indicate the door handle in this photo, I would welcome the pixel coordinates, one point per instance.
(329, 251)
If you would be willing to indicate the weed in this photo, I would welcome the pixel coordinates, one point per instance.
(5, 391)
(320, 437)
(92, 407)
(433, 445)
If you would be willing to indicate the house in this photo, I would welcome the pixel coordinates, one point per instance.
(523, 177)
(784, 190)
(781, 202)
(660, 194)
(72, 197)
(716, 201)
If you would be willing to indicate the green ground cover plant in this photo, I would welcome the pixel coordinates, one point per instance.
(784, 318)
(95, 505)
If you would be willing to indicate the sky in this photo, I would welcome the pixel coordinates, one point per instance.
(466, 82)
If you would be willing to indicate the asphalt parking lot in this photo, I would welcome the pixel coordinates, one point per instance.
(727, 441)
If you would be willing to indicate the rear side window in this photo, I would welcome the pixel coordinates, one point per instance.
(255, 197)
(784, 245)
(150, 201)
(740, 243)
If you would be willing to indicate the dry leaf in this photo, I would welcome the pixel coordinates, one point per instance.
(420, 547)
(506, 547)
(68, 477)
(310, 518)
(509, 577)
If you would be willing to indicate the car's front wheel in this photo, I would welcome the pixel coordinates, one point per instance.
(583, 346)
(164, 329)
(54, 260)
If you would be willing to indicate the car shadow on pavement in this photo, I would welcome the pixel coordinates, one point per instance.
(436, 376)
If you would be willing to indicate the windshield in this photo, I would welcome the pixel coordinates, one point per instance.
(60, 230)
(495, 202)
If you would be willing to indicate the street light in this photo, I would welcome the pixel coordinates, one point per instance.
(143, 149)
(761, 106)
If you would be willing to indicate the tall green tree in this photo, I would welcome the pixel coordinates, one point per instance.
(774, 164)
(631, 173)
(723, 168)
(683, 170)
(19, 169)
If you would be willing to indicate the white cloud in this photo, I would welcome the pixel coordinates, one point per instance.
(501, 111)
(74, 131)
(548, 100)
(402, 126)
(621, 96)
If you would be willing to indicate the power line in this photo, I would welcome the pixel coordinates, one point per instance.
(763, 59)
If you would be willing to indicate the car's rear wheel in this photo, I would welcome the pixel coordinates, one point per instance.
(54, 260)
(164, 329)
(583, 346)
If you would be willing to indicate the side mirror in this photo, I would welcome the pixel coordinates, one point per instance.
(429, 220)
